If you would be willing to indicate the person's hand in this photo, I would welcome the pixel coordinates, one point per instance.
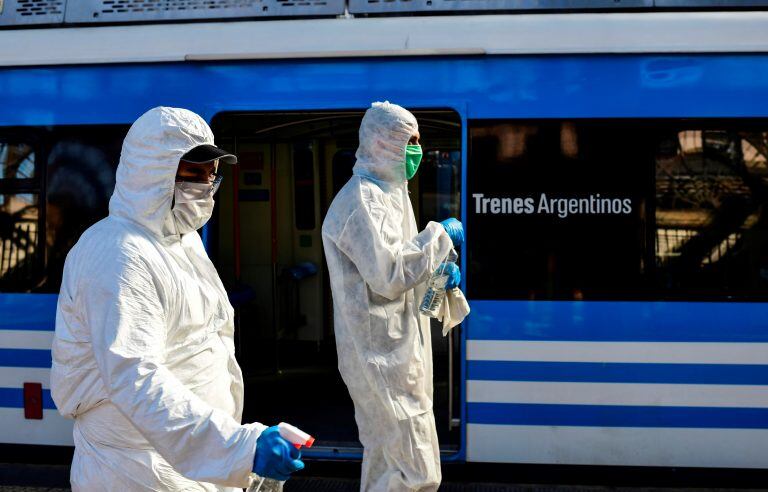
(455, 231)
(275, 457)
(453, 272)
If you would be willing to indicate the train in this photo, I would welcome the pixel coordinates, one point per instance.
(610, 166)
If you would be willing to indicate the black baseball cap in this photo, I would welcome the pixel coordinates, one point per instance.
(207, 153)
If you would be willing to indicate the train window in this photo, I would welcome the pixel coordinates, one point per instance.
(556, 210)
(20, 215)
(711, 222)
(73, 168)
(630, 209)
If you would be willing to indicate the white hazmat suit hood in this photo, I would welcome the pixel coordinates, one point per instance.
(378, 263)
(384, 133)
(145, 184)
(143, 355)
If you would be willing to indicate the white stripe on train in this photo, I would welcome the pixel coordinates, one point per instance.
(15, 377)
(53, 429)
(26, 339)
(730, 448)
(642, 394)
(650, 352)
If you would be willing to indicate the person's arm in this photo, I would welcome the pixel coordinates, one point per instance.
(128, 327)
(390, 265)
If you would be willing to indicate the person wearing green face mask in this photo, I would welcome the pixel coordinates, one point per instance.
(379, 263)
(413, 156)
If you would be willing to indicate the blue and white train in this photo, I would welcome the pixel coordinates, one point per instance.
(611, 169)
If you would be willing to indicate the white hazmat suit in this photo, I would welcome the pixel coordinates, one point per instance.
(143, 355)
(378, 263)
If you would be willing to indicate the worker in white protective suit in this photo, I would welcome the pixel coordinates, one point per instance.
(143, 355)
(378, 263)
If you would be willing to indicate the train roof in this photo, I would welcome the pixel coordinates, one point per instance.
(466, 35)
(20, 13)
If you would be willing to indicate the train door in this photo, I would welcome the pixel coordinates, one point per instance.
(266, 242)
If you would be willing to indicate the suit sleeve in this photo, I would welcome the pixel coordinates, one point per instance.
(390, 265)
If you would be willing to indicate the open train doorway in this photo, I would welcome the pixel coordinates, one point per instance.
(266, 242)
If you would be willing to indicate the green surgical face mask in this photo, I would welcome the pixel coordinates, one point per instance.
(412, 160)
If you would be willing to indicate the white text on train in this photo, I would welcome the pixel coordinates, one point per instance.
(562, 207)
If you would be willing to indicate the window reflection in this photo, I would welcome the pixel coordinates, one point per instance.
(711, 189)
(17, 161)
(19, 215)
(19, 229)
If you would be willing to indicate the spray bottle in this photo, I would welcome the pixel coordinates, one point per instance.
(293, 435)
(433, 298)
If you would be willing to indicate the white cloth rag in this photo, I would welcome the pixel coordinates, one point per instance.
(453, 310)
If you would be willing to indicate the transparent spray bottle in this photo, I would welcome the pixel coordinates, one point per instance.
(293, 435)
(433, 298)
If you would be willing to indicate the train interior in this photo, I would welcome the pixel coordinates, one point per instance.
(266, 242)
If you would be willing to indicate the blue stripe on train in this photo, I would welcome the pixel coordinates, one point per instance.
(618, 321)
(14, 398)
(531, 320)
(25, 358)
(618, 372)
(616, 416)
(596, 86)
(28, 311)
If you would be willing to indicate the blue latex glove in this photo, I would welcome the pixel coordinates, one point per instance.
(455, 231)
(275, 457)
(454, 275)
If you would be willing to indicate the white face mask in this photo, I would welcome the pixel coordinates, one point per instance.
(193, 206)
